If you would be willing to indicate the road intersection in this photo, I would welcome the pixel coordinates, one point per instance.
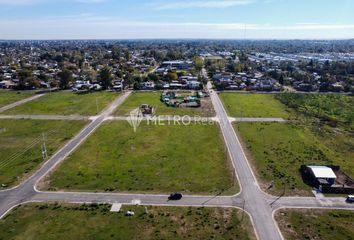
(259, 205)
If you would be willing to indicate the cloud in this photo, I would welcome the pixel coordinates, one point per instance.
(89, 26)
(200, 4)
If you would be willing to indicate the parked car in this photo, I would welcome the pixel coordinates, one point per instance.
(350, 199)
(175, 196)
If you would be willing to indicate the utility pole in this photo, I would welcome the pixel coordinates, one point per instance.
(44, 148)
(97, 105)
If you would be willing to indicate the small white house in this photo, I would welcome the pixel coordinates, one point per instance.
(324, 175)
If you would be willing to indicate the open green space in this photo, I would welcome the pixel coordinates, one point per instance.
(66, 103)
(153, 99)
(54, 221)
(253, 105)
(316, 224)
(21, 142)
(278, 150)
(189, 159)
(8, 97)
(335, 109)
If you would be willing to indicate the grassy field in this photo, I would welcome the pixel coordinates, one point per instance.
(20, 145)
(97, 222)
(66, 103)
(253, 105)
(335, 109)
(190, 159)
(316, 224)
(7, 97)
(278, 150)
(153, 99)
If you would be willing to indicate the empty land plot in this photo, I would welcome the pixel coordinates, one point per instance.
(21, 142)
(190, 159)
(335, 109)
(66, 103)
(153, 99)
(316, 224)
(54, 221)
(278, 150)
(7, 97)
(253, 105)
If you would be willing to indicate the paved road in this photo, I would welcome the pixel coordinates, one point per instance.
(255, 201)
(13, 105)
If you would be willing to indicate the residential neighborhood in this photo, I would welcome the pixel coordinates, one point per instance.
(183, 119)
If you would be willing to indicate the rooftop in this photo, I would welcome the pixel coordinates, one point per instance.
(322, 172)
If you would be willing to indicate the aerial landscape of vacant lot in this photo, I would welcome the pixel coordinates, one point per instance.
(153, 99)
(7, 97)
(66, 103)
(316, 224)
(279, 149)
(190, 159)
(54, 221)
(253, 105)
(21, 141)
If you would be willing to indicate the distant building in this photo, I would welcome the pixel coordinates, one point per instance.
(179, 65)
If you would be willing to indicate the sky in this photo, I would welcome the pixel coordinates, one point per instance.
(190, 19)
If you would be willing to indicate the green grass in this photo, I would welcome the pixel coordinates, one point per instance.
(253, 105)
(20, 145)
(334, 108)
(278, 150)
(190, 159)
(94, 221)
(7, 97)
(153, 99)
(316, 224)
(66, 103)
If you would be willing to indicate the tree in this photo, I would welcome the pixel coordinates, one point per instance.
(106, 77)
(24, 75)
(199, 63)
(172, 76)
(66, 76)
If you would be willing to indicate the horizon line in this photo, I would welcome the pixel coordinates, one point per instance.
(159, 39)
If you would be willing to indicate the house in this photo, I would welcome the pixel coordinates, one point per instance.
(118, 85)
(7, 84)
(194, 85)
(179, 65)
(322, 175)
(147, 85)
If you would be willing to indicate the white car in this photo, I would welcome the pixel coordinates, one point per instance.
(350, 198)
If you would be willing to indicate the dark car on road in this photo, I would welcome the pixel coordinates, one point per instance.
(350, 199)
(175, 196)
